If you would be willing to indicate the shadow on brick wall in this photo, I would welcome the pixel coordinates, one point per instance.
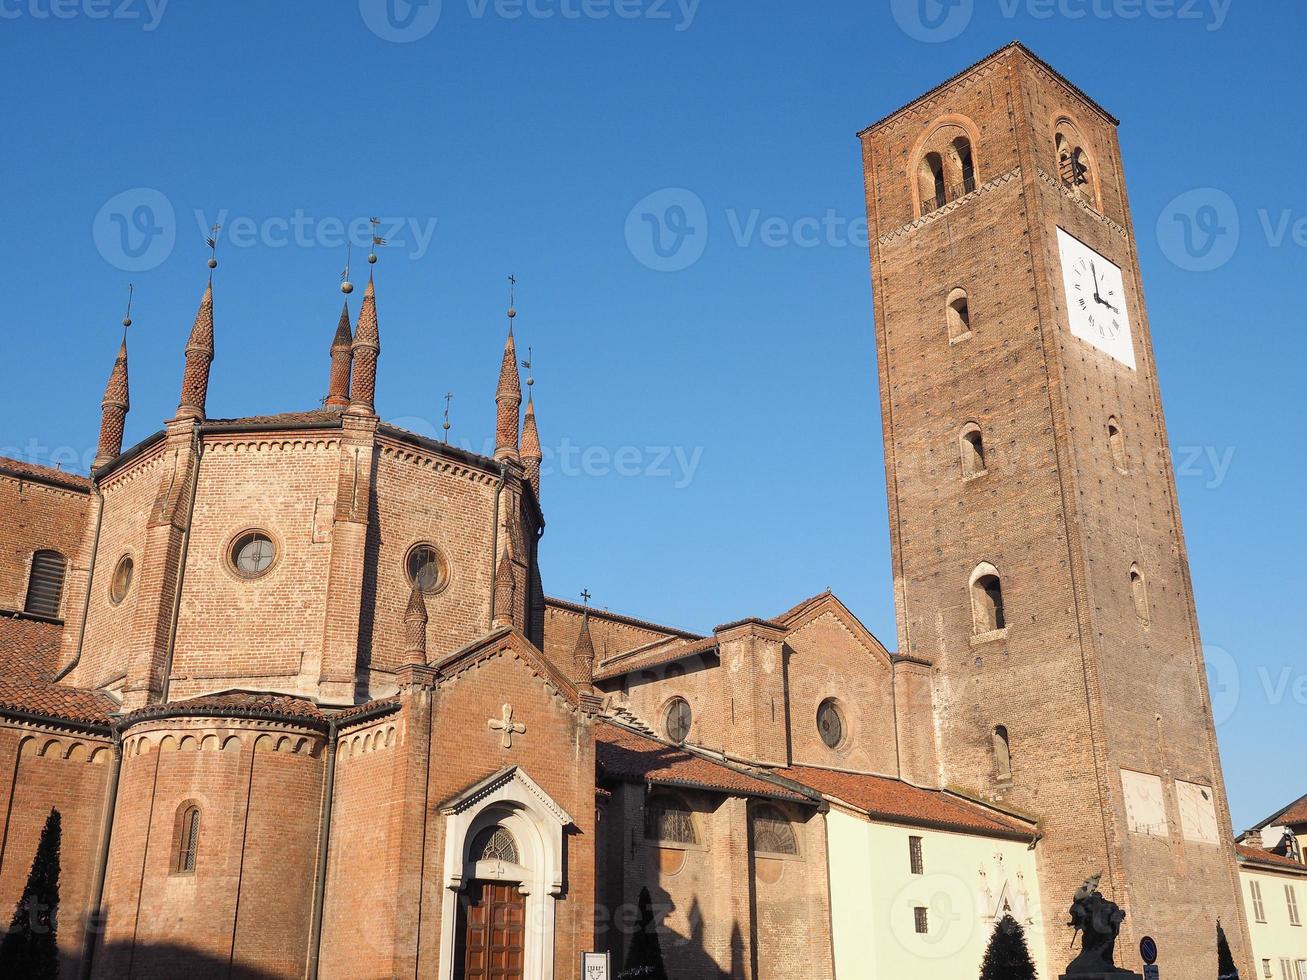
(160, 962)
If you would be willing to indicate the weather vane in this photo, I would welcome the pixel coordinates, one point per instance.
(449, 397)
(127, 317)
(346, 286)
(212, 242)
(376, 240)
(527, 364)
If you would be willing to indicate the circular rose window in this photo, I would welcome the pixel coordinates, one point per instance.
(678, 718)
(121, 582)
(426, 568)
(252, 554)
(830, 723)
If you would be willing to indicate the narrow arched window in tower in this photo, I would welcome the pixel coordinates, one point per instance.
(931, 184)
(972, 446)
(45, 584)
(987, 600)
(958, 315)
(1002, 753)
(1139, 594)
(1116, 443)
(188, 839)
(966, 167)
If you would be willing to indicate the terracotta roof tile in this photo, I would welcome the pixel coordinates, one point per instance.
(613, 617)
(1266, 857)
(895, 800)
(361, 709)
(45, 474)
(29, 648)
(284, 418)
(656, 654)
(238, 703)
(625, 755)
(56, 701)
(1295, 813)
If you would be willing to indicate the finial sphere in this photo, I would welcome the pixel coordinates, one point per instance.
(372, 258)
(213, 263)
(347, 287)
(511, 313)
(127, 321)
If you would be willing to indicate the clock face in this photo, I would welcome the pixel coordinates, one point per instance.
(1095, 299)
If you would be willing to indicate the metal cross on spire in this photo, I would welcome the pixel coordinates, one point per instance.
(346, 286)
(585, 596)
(512, 300)
(449, 397)
(127, 317)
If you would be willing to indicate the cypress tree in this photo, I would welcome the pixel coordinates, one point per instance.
(29, 948)
(1008, 956)
(1225, 969)
(644, 960)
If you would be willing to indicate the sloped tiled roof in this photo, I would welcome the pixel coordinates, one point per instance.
(1260, 856)
(56, 701)
(625, 755)
(378, 705)
(895, 801)
(29, 648)
(246, 704)
(613, 617)
(44, 474)
(656, 654)
(284, 418)
(1292, 815)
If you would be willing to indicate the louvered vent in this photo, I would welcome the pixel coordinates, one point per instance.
(45, 588)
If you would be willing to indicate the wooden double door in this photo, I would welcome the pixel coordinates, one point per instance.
(491, 933)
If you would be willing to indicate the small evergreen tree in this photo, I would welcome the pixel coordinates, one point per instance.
(1225, 968)
(29, 948)
(644, 960)
(1008, 956)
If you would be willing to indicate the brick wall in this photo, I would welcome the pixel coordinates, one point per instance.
(35, 516)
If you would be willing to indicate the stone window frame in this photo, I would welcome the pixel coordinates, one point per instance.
(846, 731)
(128, 559)
(229, 553)
(664, 713)
(955, 319)
(986, 570)
(35, 563)
(442, 561)
(187, 825)
(973, 456)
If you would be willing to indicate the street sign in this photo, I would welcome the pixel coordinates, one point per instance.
(1152, 972)
(1148, 950)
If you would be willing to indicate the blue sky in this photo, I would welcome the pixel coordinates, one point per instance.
(713, 430)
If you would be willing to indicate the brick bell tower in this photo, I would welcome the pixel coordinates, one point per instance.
(1039, 559)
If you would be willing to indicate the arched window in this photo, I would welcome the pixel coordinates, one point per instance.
(972, 447)
(958, 315)
(1002, 753)
(45, 584)
(495, 844)
(960, 156)
(987, 600)
(1139, 593)
(1074, 165)
(188, 839)
(668, 820)
(772, 832)
(931, 184)
(1116, 443)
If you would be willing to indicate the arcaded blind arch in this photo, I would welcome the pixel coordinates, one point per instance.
(987, 599)
(668, 820)
(1002, 752)
(958, 314)
(971, 446)
(45, 584)
(772, 831)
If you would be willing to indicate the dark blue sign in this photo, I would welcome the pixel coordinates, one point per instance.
(1148, 950)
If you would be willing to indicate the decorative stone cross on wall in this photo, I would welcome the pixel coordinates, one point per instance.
(508, 726)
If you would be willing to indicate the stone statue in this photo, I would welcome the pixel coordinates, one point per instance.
(1099, 920)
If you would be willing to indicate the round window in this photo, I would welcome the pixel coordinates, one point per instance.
(252, 554)
(678, 717)
(121, 582)
(830, 723)
(426, 568)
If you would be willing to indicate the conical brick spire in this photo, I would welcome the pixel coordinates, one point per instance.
(583, 657)
(508, 403)
(199, 355)
(342, 357)
(367, 348)
(415, 627)
(113, 410)
(531, 454)
(505, 591)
